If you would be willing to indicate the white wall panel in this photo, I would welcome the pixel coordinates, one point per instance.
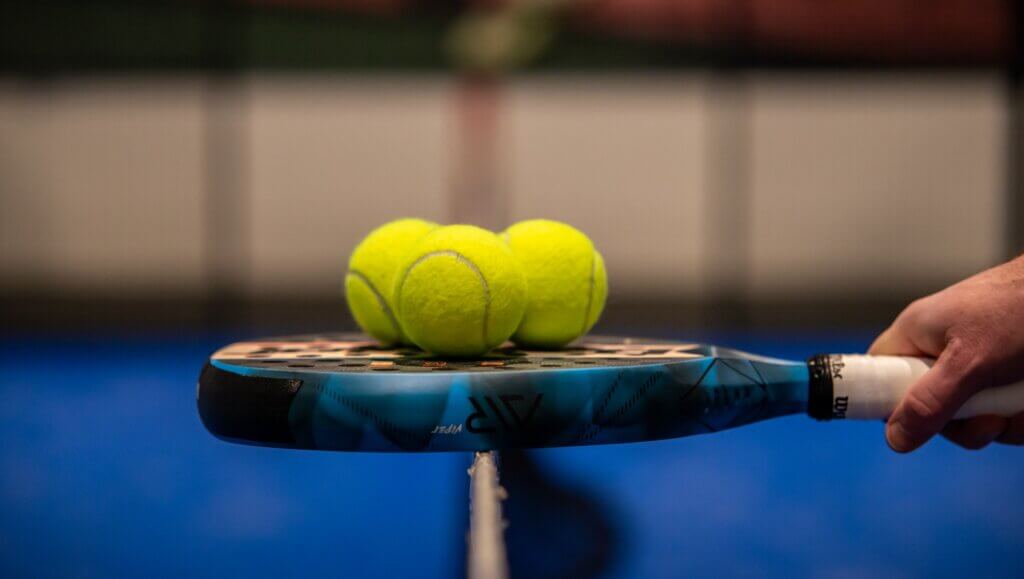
(621, 158)
(101, 184)
(858, 183)
(329, 160)
(874, 183)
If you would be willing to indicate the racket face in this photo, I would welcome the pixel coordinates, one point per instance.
(345, 392)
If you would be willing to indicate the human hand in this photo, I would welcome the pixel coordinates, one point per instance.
(975, 330)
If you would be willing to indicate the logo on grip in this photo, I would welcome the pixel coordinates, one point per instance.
(839, 406)
(839, 403)
(835, 366)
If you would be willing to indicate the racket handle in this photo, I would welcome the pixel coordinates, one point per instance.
(862, 387)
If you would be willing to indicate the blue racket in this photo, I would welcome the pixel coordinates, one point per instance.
(345, 392)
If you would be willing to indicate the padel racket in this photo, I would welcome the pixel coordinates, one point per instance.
(345, 392)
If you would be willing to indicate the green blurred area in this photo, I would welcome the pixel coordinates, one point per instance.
(65, 36)
(50, 36)
(120, 36)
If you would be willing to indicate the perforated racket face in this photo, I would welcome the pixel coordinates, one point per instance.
(345, 353)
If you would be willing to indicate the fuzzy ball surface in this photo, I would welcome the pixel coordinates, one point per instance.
(371, 273)
(459, 292)
(566, 280)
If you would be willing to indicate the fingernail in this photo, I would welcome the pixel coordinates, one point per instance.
(897, 438)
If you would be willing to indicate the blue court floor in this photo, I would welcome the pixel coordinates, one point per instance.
(106, 471)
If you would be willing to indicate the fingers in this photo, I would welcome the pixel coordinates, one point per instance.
(1014, 432)
(917, 331)
(975, 433)
(893, 342)
(932, 401)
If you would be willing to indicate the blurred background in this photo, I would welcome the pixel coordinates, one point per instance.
(737, 162)
(781, 176)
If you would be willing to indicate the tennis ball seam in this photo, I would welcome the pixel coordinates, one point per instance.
(380, 298)
(590, 292)
(465, 261)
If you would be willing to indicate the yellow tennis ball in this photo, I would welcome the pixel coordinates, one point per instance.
(371, 272)
(459, 292)
(566, 280)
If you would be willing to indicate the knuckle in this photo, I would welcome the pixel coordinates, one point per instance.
(969, 362)
(920, 407)
(924, 312)
(912, 313)
(958, 351)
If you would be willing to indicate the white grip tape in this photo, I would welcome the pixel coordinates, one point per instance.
(870, 387)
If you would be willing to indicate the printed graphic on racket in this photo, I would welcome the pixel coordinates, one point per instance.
(345, 392)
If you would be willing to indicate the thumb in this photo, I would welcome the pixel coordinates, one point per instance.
(932, 401)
